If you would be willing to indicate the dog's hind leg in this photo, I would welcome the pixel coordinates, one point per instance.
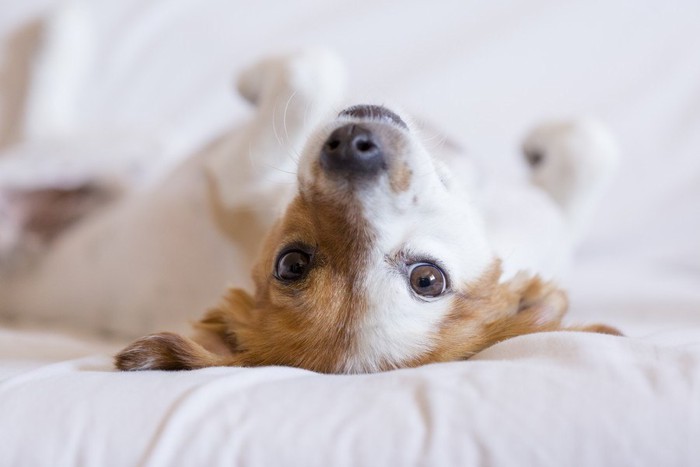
(573, 161)
(292, 94)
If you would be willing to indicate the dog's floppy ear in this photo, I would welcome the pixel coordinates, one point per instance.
(221, 328)
(166, 351)
(492, 311)
(534, 306)
(215, 343)
(541, 307)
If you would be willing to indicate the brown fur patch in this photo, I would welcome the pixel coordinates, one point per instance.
(597, 328)
(400, 178)
(309, 323)
(217, 330)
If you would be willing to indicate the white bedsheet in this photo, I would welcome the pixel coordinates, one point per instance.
(158, 75)
(550, 399)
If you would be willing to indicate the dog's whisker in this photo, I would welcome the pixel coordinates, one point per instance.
(268, 166)
(295, 156)
(284, 115)
(439, 144)
(250, 155)
(280, 170)
(254, 162)
(274, 126)
(432, 137)
(306, 111)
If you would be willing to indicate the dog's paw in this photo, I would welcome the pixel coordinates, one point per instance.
(567, 156)
(312, 74)
(163, 351)
(578, 142)
(573, 162)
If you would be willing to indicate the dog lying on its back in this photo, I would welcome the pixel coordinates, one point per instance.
(381, 259)
(382, 254)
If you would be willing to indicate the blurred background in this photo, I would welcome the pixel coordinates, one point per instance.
(90, 86)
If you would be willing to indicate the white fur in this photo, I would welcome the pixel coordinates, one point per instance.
(158, 258)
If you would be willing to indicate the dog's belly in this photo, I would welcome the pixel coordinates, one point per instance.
(526, 230)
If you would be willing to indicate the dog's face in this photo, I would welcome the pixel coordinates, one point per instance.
(379, 262)
(372, 256)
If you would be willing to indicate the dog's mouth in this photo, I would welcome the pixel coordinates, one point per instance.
(373, 112)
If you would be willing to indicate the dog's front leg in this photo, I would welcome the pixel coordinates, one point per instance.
(292, 94)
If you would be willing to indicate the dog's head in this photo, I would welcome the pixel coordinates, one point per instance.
(379, 260)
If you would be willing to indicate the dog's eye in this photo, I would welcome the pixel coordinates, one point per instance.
(427, 280)
(292, 265)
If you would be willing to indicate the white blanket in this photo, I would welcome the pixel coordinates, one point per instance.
(157, 75)
(551, 399)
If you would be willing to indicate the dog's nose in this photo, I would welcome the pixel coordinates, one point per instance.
(352, 149)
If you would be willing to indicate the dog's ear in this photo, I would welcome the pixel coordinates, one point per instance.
(492, 311)
(534, 306)
(541, 307)
(166, 351)
(216, 342)
(489, 311)
(221, 328)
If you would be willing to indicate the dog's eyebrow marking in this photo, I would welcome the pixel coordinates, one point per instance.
(373, 112)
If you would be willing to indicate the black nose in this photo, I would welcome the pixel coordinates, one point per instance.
(352, 149)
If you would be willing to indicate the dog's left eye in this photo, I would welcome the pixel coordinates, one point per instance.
(427, 280)
(292, 265)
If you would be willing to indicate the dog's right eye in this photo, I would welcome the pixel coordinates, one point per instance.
(292, 265)
(427, 280)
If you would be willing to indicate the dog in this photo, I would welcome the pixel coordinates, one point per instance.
(378, 253)
(382, 260)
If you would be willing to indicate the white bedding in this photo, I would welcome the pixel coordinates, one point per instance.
(158, 74)
(554, 399)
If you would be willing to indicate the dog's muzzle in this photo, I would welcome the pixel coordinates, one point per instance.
(353, 150)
